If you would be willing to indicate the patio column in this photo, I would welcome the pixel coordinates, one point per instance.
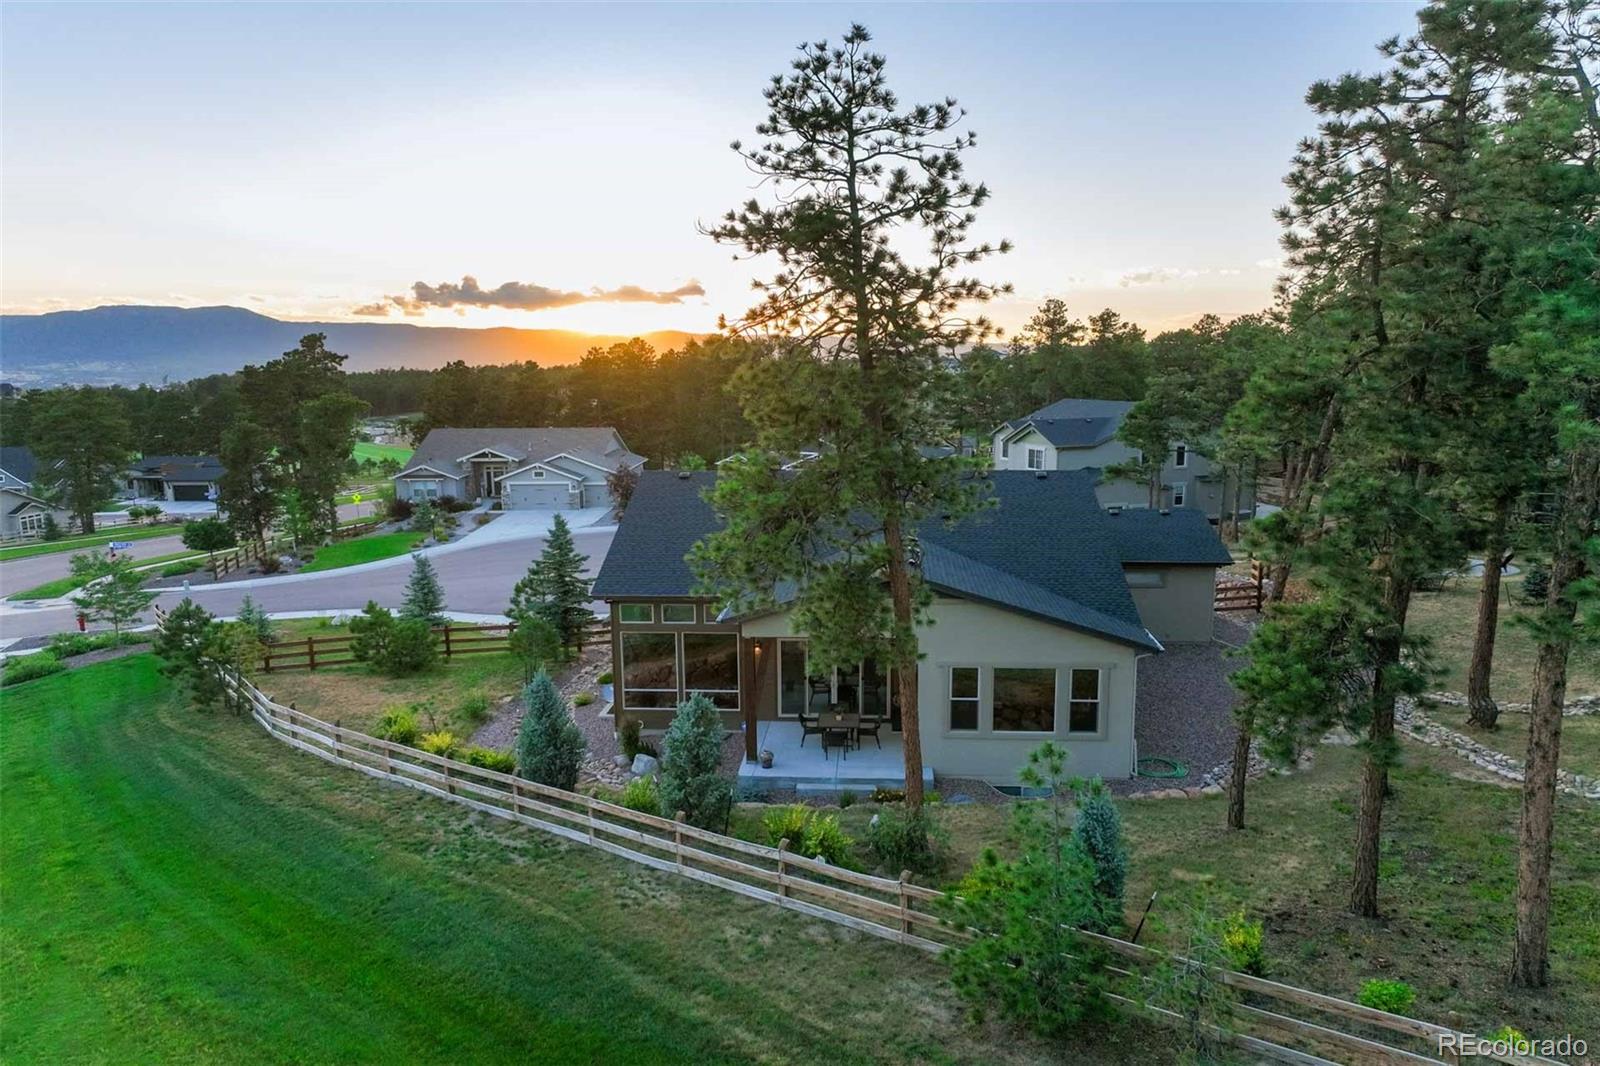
(747, 694)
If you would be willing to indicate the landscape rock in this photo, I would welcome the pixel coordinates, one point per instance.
(645, 765)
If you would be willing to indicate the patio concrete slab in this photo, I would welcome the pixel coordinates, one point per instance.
(805, 768)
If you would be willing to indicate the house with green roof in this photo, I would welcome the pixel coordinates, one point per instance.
(1044, 605)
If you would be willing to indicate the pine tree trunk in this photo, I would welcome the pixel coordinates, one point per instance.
(1241, 771)
(1580, 513)
(905, 674)
(1481, 708)
(1379, 754)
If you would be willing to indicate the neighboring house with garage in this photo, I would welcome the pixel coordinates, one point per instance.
(22, 508)
(1043, 606)
(175, 478)
(520, 468)
(1075, 434)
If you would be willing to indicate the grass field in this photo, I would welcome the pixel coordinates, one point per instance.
(1447, 619)
(180, 887)
(367, 452)
(94, 540)
(356, 696)
(365, 549)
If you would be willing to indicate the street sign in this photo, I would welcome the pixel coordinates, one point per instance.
(121, 545)
(356, 498)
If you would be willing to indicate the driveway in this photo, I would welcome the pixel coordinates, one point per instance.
(477, 573)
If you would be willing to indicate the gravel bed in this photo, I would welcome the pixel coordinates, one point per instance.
(500, 731)
(1185, 708)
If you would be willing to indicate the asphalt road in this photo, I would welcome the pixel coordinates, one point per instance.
(476, 580)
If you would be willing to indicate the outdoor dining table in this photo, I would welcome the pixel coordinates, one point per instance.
(839, 727)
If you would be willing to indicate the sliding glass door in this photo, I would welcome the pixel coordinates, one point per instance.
(862, 687)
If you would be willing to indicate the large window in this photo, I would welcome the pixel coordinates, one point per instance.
(1084, 715)
(633, 613)
(423, 490)
(31, 523)
(1024, 700)
(963, 697)
(794, 688)
(649, 670)
(1035, 458)
(711, 666)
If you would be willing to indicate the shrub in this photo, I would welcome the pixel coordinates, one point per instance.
(442, 743)
(888, 795)
(846, 799)
(1395, 997)
(450, 503)
(583, 699)
(906, 840)
(411, 648)
(628, 733)
(270, 564)
(825, 839)
(1098, 831)
(1535, 584)
(787, 823)
(252, 615)
(475, 707)
(482, 520)
(66, 645)
(179, 569)
(401, 509)
(1242, 944)
(642, 794)
(52, 528)
(30, 667)
(691, 769)
(603, 679)
(399, 724)
(424, 597)
(501, 761)
(549, 746)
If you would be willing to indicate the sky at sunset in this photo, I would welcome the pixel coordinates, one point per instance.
(317, 161)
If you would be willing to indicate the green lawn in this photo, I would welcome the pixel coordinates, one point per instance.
(1447, 620)
(180, 887)
(357, 696)
(367, 452)
(364, 550)
(94, 540)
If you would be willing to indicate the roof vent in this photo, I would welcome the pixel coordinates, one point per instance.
(1114, 511)
(1165, 511)
(1041, 474)
(683, 475)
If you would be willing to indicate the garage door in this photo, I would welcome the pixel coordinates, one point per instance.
(189, 492)
(537, 496)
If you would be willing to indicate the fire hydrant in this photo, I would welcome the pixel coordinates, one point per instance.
(83, 622)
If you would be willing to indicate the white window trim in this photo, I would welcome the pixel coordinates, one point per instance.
(1180, 494)
(646, 622)
(1035, 451)
(30, 522)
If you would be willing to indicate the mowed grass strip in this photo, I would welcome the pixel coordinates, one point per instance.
(94, 540)
(368, 452)
(181, 887)
(368, 549)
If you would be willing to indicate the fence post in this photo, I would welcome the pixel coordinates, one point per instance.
(677, 838)
(783, 867)
(516, 796)
(905, 903)
(311, 653)
(447, 640)
(449, 782)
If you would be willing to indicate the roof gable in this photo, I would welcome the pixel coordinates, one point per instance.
(19, 462)
(449, 449)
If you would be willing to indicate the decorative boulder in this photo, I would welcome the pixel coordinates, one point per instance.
(620, 761)
(645, 765)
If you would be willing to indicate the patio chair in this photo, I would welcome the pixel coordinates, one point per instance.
(811, 717)
(868, 727)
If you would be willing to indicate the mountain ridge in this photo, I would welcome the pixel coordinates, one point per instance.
(130, 344)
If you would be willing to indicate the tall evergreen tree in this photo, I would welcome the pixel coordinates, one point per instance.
(858, 335)
(181, 642)
(80, 438)
(549, 746)
(424, 598)
(554, 587)
(248, 492)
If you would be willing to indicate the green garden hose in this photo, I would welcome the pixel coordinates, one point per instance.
(1159, 766)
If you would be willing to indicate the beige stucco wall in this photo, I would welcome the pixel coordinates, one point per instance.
(1180, 610)
(973, 634)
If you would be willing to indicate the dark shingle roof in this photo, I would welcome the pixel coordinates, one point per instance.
(1045, 548)
(18, 462)
(600, 446)
(180, 467)
(1074, 423)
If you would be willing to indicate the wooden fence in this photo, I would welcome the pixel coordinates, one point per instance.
(311, 653)
(1242, 596)
(894, 909)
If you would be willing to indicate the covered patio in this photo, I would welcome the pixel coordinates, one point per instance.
(807, 769)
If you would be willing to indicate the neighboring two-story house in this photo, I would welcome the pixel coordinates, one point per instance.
(520, 467)
(1076, 434)
(1043, 606)
(22, 510)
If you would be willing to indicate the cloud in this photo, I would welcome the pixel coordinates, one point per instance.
(519, 296)
(1273, 263)
(1157, 276)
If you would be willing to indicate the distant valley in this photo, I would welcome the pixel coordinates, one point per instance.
(127, 345)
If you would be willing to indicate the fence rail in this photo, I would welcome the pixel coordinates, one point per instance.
(1242, 595)
(313, 653)
(894, 909)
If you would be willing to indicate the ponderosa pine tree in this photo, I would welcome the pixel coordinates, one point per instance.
(81, 441)
(181, 642)
(248, 493)
(857, 337)
(424, 598)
